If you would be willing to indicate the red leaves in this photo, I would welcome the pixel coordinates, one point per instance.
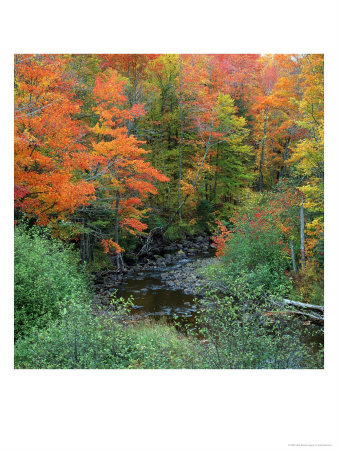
(221, 239)
(133, 225)
(137, 111)
(20, 192)
(273, 216)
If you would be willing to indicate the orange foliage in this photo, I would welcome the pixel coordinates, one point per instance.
(119, 153)
(49, 154)
(108, 244)
(220, 239)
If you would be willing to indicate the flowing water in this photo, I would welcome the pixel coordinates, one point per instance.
(151, 295)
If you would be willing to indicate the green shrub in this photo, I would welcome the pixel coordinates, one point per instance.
(46, 275)
(238, 335)
(173, 233)
(228, 334)
(78, 340)
(56, 328)
(160, 346)
(254, 248)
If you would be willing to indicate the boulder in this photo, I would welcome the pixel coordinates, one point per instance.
(105, 301)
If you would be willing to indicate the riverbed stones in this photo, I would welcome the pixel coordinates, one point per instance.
(182, 275)
(105, 301)
(188, 277)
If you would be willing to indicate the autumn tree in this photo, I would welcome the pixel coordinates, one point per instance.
(219, 133)
(49, 154)
(276, 116)
(124, 174)
(306, 162)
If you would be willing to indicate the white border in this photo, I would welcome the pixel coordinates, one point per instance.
(169, 410)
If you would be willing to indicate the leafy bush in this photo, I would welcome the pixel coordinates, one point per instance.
(46, 275)
(56, 328)
(78, 340)
(256, 246)
(160, 346)
(228, 334)
(237, 335)
(173, 233)
(54, 322)
(309, 284)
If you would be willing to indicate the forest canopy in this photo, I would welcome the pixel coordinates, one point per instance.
(111, 146)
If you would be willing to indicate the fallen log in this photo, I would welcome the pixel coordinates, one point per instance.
(315, 317)
(317, 312)
(304, 305)
(146, 247)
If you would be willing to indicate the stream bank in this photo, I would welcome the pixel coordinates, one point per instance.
(164, 284)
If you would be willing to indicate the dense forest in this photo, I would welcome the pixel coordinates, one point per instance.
(124, 162)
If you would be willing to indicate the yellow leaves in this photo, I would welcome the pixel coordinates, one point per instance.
(239, 122)
(29, 136)
(313, 195)
(114, 183)
(314, 231)
(315, 227)
(285, 230)
(306, 156)
(186, 188)
(101, 129)
(225, 106)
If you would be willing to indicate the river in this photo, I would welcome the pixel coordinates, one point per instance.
(154, 297)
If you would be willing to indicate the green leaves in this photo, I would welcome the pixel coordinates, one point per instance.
(240, 331)
(46, 277)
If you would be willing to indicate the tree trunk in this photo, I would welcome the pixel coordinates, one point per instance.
(302, 240)
(317, 308)
(283, 171)
(261, 163)
(207, 148)
(188, 195)
(180, 164)
(119, 258)
(216, 174)
(164, 170)
(313, 312)
(84, 245)
(293, 257)
(91, 249)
